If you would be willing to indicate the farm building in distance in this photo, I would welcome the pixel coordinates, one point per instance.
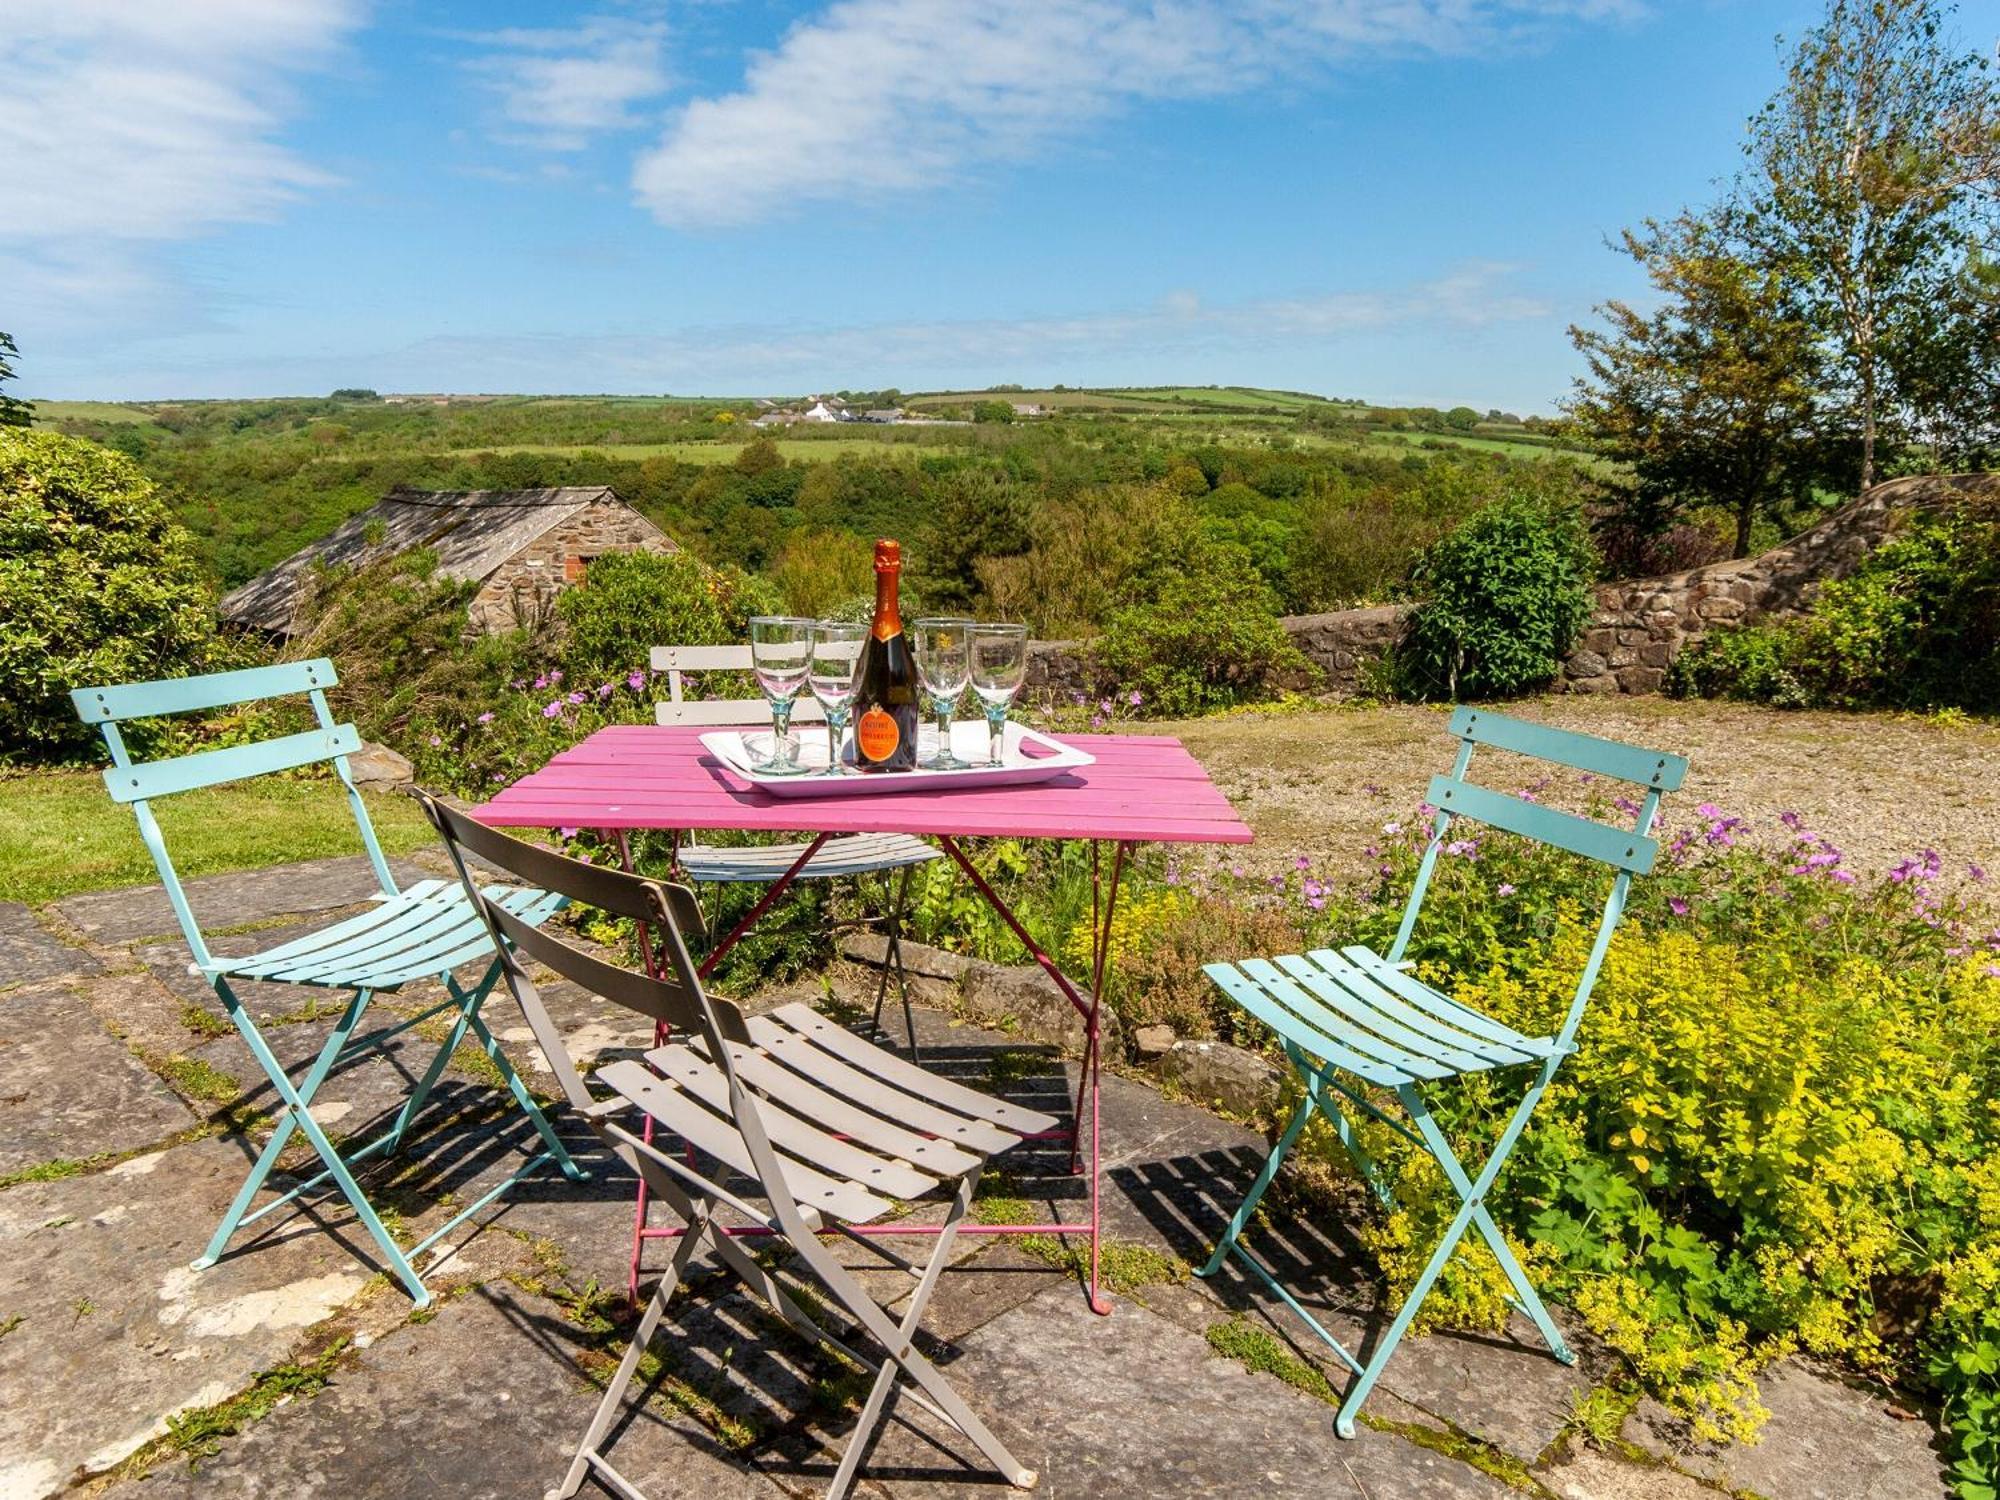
(521, 546)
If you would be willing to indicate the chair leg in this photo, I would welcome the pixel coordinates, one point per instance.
(281, 1133)
(901, 1354)
(893, 954)
(1472, 1199)
(698, 1231)
(551, 1142)
(1265, 1176)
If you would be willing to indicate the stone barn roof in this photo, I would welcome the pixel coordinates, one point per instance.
(472, 532)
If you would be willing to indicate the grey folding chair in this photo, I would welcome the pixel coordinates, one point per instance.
(854, 854)
(815, 1130)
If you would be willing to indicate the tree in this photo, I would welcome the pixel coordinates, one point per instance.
(1711, 399)
(14, 412)
(97, 585)
(1461, 419)
(993, 411)
(1872, 170)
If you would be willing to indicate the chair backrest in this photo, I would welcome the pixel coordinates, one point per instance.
(676, 996)
(1627, 851)
(675, 708)
(138, 782)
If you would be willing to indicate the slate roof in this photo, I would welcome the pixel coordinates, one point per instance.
(472, 531)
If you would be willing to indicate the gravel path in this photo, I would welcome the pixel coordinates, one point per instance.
(1881, 786)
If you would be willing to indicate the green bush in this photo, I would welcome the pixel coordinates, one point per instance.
(630, 602)
(1916, 625)
(1209, 637)
(97, 585)
(1503, 600)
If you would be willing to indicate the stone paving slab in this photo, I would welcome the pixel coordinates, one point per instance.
(1826, 1440)
(1590, 1475)
(483, 1402)
(117, 1331)
(29, 953)
(70, 1088)
(318, 885)
(1134, 1405)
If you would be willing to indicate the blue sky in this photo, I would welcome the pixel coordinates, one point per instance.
(1399, 199)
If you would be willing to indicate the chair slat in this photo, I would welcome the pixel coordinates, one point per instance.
(1612, 846)
(1355, 994)
(1582, 752)
(701, 658)
(320, 937)
(183, 773)
(1328, 1008)
(791, 1134)
(907, 1076)
(719, 1138)
(835, 1113)
(1386, 974)
(1424, 1009)
(731, 712)
(180, 695)
(787, 1047)
(854, 854)
(1247, 993)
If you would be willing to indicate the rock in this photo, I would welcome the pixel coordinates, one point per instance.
(1025, 1001)
(920, 960)
(1586, 664)
(1153, 1042)
(1234, 1080)
(379, 767)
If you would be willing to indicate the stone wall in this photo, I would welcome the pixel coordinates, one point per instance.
(522, 590)
(1641, 624)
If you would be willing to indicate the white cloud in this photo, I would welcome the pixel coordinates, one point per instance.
(875, 97)
(559, 87)
(1181, 325)
(125, 123)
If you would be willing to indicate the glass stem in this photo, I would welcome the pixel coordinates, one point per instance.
(781, 730)
(996, 728)
(943, 713)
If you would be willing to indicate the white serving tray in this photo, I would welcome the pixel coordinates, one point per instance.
(1027, 756)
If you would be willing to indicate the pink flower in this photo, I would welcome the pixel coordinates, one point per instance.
(605, 690)
(541, 682)
(1792, 821)
(1135, 697)
(578, 697)
(635, 680)
(436, 740)
(1504, 889)
(1317, 903)
(1677, 906)
(1097, 721)
(566, 833)
(554, 710)
(555, 676)
(486, 718)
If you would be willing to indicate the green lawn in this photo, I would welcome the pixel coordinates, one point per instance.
(60, 834)
(91, 411)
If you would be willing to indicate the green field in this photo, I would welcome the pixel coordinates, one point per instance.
(48, 413)
(796, 450)
(60, 833)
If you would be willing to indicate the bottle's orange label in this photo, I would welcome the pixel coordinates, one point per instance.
(877, 734)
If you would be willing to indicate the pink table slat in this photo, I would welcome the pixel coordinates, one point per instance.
(1143, 789)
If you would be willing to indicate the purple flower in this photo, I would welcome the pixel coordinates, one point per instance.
(1792, 821)
(1313, 888)
(1097, 721)
(1626, 805)
(566, 833)
(541, 682)
(436, 740)
(1317, 903)
(1677, 906)
(1464, 848)
(1708, 810)
(578, 697)
(487, 717)
(555, 676)
(1105, 706)
(1992, 971)
(1392, 828)
(635, 680)
(554, 710)
(1527, 796)
(605, 690)
(1845, 877)
(1302, 863)
(1977, 872)
(1236, 871)
(1135, 697)
(1504, 889)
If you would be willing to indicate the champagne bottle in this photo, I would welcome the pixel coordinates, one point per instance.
(885, 679)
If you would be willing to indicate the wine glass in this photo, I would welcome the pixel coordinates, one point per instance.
(999, 663)
(836, 653)
(780, 646)
(944, 663)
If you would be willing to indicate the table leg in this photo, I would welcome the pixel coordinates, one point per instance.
(1103, 904)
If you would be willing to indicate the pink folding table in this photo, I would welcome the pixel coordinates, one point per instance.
(1143, 789)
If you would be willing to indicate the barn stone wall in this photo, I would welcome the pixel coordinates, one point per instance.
(523, 589)
(1640, 625)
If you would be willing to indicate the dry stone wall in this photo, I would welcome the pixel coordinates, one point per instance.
(1641, 624)
(522, 589)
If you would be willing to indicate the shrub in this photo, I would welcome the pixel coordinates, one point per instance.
(1916, 625)
(632, 601)
(97, 585)
(1504, 597)
(1210, 637)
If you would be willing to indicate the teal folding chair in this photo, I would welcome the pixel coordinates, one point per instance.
(1355, 1022)
(424, 932)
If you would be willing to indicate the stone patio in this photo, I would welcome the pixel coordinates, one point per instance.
(292, 1368)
